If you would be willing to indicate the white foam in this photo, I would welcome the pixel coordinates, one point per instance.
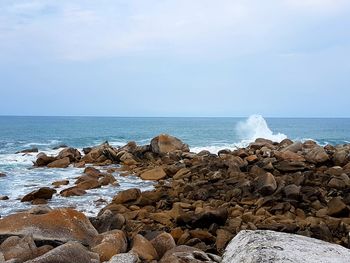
(256, 127)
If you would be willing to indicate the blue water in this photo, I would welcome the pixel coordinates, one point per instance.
(18, 133)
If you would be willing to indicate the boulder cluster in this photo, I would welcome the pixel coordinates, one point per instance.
(200, 201)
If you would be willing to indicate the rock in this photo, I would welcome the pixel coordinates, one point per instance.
(4, 197)
(2, 174)
(204, 218)
(57, 225)
(269, 246)
(266, 184)
(60, 146)
(43, 159)
(317, 155)
(72, 191)
(41, 193)
(60, 183)
(21, 249)
(294, 147)
(341, 157)
(131, 194)
(92, 171)
(222, 238)
(108, 221)
(165, 143)
(60, 163)
(143, 248)
(73, 154)
(154, 174)
(290, 166)
(292, 191)
(129, 257)
(184, 254)
(109, 244)
(162, 243)
(71, 252)
(31, 150)
(287, 155)
(40, 210)
(337, 208)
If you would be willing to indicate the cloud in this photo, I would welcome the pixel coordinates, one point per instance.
(77, 30)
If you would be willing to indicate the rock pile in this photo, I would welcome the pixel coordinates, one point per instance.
(200, 201)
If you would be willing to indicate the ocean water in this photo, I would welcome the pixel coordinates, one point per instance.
(18, 133)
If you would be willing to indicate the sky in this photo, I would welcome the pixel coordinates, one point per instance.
(277, 58)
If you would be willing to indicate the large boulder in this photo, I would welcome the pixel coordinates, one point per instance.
(316, 155)
(268, 246)
(73, 154)
(43, 159)
(128, 195)
(154, 174)
(57, 225)
(165, 143)
(21, 249)
(60, 163)
(41, 193)
(71, 252)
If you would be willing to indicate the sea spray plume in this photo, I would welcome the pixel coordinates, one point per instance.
(256, 127)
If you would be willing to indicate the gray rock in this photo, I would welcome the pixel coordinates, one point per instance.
(130, 257)
(262, 246)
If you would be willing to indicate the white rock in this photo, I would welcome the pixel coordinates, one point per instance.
(262, 246)
(130, 257)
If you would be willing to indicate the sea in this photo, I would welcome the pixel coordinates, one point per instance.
(47, 133)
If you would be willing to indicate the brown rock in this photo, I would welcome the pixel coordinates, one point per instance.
(60, 163)
(316, 155)
(144, 248)
(41, 193)
(21, 249)
(72, 191)
(266, 184)
(154, 174)
(4, 197)
(222, 239)
(59, 225)
(2, 174)
(60, 183)
(109, 244)
(43, 159)
(31, 150)
(182, 254)
(127, 196)
(71, 252)
(292, 191)
(108, 221)
(73, 154)
(165, 144)
(252, 158)
(337, 208)
(162, 243)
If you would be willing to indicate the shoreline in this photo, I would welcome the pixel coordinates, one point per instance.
(202, 200)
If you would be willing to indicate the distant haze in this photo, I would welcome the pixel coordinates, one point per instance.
(278, 58)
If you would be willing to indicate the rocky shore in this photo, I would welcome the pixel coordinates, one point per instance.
(201, 201)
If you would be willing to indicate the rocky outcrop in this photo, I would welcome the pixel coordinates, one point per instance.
(165, 143)
(270, 246)
(57, 225)
(42, 193)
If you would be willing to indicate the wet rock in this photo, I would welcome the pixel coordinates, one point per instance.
(294, 147)
(2, 174)
(154, 174)
(143, 248)
(71, 252)
(126, 196)
(4, 197)
(72, 191)
(57, 225)
(40, 210)
(109, 244)
(41, 193)
(60, 183)
(43, 159)
(31, 150)
(73, 154)
(162, 243)
(337, 208)
(269, 246)
(60, 163)
(165, 143)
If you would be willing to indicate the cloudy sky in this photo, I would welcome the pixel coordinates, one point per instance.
(278, 58)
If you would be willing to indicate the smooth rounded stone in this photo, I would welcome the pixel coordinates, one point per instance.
(40, 210)
(2, 174)
(294, 147)
(316, 155)
(127, 195)
(71, 252)
(72, 191)
(4, 197)
(60, 183)
(63, 224)
(143, 248)
(41, 193)
(60, 163)
(183, 253)
(72, 153)
(108, 221)
(43, 159)
(165, 143)
(154, 174)
(21, 249)
(130, 257)
(266, 246)
(162, 243)
(109, 244)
